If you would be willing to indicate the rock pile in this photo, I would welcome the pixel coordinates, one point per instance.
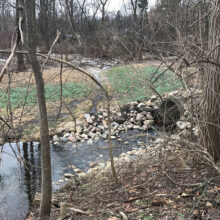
(135, 115)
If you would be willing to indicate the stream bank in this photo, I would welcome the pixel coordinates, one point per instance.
(20, 181)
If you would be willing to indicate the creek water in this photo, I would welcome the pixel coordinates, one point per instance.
(20, 180)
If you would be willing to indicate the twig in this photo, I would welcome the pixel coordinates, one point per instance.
(123, 216)
(50, 51)
(79, 211)
(140, 197)
(5, 122)
(5, 67)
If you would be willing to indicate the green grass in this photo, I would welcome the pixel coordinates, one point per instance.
(52, 93)
(131, 84)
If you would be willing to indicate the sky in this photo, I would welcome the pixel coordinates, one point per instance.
(115, 5)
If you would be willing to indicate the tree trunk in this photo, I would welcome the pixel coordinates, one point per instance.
(44, 23)
(210, 125)
(44, 133)
(19, 14)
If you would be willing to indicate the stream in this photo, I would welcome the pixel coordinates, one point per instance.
(20, 181)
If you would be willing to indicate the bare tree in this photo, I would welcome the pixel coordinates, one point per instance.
(45, 205)
(103, 8)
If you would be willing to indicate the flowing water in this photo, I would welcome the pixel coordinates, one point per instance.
(20, 180)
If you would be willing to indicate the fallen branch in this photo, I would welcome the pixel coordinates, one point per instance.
(79, 211)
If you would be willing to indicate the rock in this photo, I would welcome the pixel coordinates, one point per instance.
(90, 120)
(72, 139)
(149, 117)
(93, 164)
(153, 98)
(80, 175)
(105, 135)
(68, 175)
(140, 105)
(72, 166)
(101, 128)
(100, 117)
(130, 126)
(134, 103)
(56, 144)
(66, 135)
(120, 119)
(92, 135)
(136, 127)
(79, 129)
(149, 103)
(90, 142)
(143, 107)
(113, 137)
(85, 136)
(132, 153)
(64, 139)
(140, 143)
(148, 122)
(131, 120)
(139, 117)
(56, 138)
(93, 129)
(76, 170)
(183, 125)
(87, 116)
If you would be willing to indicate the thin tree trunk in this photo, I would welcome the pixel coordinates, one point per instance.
(45, 205)
(211, 98)
(19, 21)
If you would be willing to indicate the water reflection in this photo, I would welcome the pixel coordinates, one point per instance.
(20, 174)
(30, 169)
